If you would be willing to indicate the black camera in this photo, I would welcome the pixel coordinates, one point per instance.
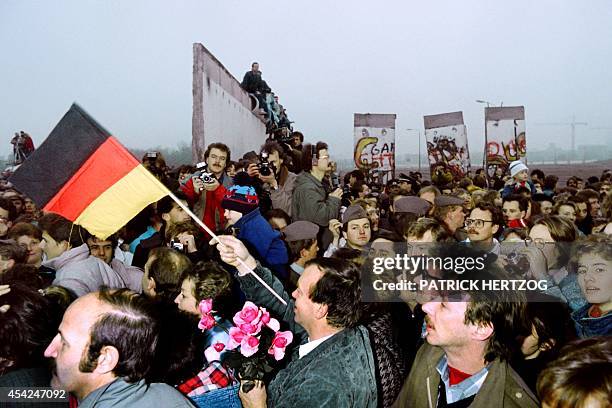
(265, 167)
(203, 174)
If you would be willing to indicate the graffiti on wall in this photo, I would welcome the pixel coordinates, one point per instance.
(506, 142)
(374, 149)
(447, 150)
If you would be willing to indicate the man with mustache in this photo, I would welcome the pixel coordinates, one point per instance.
(464, 361)
(483, 224)
(206, 197)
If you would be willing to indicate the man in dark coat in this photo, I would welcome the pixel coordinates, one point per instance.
(334, 365)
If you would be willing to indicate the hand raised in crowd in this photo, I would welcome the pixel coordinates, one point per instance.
(255, 398)
(232, 251)
(188, 240)
(252, 170)
(4, 289)
(336, 193)
(335, 226)
(536, 263)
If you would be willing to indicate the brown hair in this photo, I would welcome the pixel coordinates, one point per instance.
(131, 326)
(221, 146)
(310, 153)
(211, 281)
(581, 374)
(340, 289)
(560, 229)
(422, 225)
(24, 228)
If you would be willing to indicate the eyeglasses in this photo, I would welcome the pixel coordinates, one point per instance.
(475, 222)
(538, 242)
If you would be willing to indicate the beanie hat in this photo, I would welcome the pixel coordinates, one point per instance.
(241, 198)
(516, 167)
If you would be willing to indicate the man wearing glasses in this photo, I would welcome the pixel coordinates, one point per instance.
(310, 200)
(482, 225)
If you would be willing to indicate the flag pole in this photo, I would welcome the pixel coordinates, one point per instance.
(212, 234)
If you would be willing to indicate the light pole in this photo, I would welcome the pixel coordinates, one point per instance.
(418, 130)
(484, 155)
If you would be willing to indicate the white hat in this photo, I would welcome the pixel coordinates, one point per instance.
(516, 167)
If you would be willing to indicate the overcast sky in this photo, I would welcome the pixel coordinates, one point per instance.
(129, 64)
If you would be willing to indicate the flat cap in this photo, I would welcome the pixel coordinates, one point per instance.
(446, 200)
(353, 212)
(300, 230)
(413, 205)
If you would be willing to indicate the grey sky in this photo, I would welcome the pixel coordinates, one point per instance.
(129, 64)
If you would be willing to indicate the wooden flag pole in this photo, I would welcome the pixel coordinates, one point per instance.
(212, 234)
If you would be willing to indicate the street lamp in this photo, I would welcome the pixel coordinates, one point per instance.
(418, 130)
(489, 104)
(483, 101)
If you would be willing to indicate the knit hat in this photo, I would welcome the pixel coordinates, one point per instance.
(516, 167)
(240, 198)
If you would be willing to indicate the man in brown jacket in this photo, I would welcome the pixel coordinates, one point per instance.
(463, 363)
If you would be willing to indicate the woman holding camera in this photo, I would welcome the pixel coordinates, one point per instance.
(548, 252)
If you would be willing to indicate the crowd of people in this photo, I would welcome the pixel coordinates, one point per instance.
(117, 321)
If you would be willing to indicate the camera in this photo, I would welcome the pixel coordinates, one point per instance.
(517, 263)
(265, 167)
(178, 246)
(203, 174)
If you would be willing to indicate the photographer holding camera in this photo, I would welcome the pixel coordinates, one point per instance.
(212, 179)
(273, 172)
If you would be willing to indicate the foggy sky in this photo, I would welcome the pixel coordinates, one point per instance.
(129, 64)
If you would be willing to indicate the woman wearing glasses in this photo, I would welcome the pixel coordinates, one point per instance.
(548, 250)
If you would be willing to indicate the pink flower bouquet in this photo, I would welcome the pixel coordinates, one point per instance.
(255, 341)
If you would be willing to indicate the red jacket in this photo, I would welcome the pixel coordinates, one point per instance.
(207, 206)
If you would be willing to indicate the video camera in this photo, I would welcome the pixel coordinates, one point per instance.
(203, 174)
(265, 167)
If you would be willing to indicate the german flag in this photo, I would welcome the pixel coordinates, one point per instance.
(84, 174)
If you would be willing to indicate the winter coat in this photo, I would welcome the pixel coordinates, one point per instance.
(587, 326)
(311, 202)
(340, 372)
(131, 275)
(258, 234)
(282, 197)
(81, 273)
(502, 387)
(120, 393)
(208, 206)
(510, 189)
